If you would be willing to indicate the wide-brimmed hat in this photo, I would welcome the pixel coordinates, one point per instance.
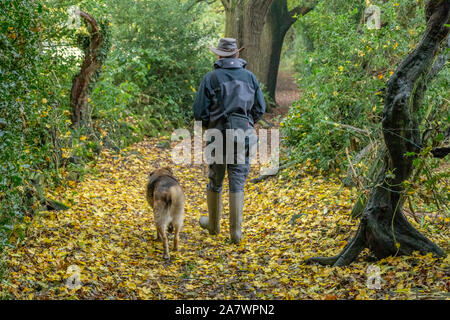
(226, 48)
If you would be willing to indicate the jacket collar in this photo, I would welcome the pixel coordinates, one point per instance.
(230, 63)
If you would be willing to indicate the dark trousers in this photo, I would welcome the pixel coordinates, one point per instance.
(237, 173)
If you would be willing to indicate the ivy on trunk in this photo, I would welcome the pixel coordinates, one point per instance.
(95, 54)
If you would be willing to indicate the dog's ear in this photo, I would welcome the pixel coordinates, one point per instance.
(168, 169)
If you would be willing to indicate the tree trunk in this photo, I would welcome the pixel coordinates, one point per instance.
(383, 227)
(80, 83)
(278, 22)
(245, 21)
(234, 21)
(261, 26)
(254, 19)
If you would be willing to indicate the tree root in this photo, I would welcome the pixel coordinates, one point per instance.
(376, 233)
(54, 205)
(325, 261)
(350, 252)
(266, 176)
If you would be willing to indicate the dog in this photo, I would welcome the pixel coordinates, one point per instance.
(166, 197)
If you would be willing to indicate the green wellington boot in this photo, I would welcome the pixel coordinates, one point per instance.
(236, 208)
(212, 222)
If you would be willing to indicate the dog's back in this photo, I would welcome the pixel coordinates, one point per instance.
(168, 200)
(166, 197)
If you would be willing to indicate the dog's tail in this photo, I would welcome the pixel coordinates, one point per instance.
(166, 197)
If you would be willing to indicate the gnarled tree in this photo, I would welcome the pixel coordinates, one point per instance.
(383, 227)
(91, 64)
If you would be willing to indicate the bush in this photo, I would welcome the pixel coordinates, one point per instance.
(157, 60)
(145, 87)
(343, 68)
(24, 110)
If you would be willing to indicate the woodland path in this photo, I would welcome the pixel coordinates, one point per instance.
(108, 235)
(287, 90)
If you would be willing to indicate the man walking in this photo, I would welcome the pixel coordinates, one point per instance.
(229, 97)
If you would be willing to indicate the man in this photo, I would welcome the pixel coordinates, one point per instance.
(229, 97)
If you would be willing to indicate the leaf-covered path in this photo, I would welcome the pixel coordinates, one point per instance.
(109, 234)
(287, 90)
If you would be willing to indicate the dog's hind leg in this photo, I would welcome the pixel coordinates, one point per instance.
(165, 241)
(176, 238)
(177, 213)
(162, 219)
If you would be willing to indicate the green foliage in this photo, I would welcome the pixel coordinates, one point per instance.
(158, 58)
(144, 87)
(22, 109)
(343, 67)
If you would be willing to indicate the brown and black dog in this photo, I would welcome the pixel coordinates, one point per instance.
(166, 197)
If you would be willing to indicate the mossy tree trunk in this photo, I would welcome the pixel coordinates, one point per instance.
(91, 63)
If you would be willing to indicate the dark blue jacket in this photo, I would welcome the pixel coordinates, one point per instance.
(237, 91)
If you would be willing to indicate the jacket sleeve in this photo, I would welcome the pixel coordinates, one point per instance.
(259, 107)
(203, 101)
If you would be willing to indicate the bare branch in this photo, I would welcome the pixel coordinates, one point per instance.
(440, 61)
(300, 11)
(87, 17)
(266, 176)
(346, 126)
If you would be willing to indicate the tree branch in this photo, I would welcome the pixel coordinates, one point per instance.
(87, 17)
(440, 153)
(346, 126)
(440, 62)
(300, 11)
(226, 4)
(266, 176)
